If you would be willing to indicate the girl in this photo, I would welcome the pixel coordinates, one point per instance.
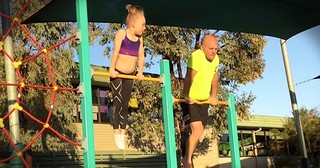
(128, 53)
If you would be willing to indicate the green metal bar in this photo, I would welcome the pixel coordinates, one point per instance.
(85, 81)
(233, 132)
(167, 106)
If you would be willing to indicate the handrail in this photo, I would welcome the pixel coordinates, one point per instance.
(100, 73)
(224, 102)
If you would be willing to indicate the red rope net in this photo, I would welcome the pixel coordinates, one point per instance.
(21, 85)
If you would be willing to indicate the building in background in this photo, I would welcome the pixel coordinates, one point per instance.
(259, 137)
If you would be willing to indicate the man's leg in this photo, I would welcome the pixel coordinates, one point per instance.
(184, 128)
(184, 133)
(196, 132)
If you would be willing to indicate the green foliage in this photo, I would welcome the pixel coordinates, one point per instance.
(31, 8)
(146, 129)
(241, 58)
(172, 43)
(241, 62)
(286, 162)
(95, 30)
(107, 38)
(310, 122)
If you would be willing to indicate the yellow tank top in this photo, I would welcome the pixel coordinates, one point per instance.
(201, 85)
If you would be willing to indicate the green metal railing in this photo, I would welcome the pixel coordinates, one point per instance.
(167, 100)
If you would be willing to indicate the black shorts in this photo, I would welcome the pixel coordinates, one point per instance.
(194, 112)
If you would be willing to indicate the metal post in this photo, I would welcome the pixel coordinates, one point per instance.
(233, 132)
(167, 106)
(294, 105)
(255, 147)
(14, 124)
(85, 81)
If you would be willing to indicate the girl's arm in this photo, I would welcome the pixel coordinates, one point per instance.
(141, 58)
(116, 48)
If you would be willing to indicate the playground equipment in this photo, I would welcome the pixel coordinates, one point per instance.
(86, 101)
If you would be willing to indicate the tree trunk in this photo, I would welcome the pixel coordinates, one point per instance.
(179, 69)
(315, 161)
(197, 44)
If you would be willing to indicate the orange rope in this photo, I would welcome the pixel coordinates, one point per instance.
(22, 85)
(8, 114)
(7, 55)
(31, 58)
(10, 29)
(23, 8)
(31, 37)
(37, 87)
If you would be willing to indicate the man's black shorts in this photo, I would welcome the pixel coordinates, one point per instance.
(195, 112)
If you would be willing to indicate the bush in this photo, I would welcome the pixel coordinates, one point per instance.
(286, 162)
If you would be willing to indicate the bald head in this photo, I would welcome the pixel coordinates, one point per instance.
(208, 39)
(210, 46)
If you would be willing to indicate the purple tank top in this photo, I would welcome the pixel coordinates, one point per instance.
(129, 47)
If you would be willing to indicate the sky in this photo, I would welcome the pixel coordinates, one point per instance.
(272, 94)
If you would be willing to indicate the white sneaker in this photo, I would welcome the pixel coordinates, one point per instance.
(120, 142)
(123, 140)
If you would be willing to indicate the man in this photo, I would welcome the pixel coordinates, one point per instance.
(200, 84)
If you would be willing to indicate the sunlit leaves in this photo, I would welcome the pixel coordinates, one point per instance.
(242, 62)
(241, 58)
(310, 123)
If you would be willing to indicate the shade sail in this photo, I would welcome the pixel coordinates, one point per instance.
(317, 77)
(276, 18)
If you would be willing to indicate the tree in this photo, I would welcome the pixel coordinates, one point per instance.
(310, 122)
(241, 62)
(146, 130)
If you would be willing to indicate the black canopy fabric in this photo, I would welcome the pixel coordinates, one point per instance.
(276, 18)
(317, 77)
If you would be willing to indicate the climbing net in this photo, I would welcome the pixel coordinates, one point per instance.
(21, 85)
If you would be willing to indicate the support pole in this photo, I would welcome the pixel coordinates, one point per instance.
(294, 105)
(14, 124)
(167, 106)
(233, 132)
(255, 147)
(85, 81)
